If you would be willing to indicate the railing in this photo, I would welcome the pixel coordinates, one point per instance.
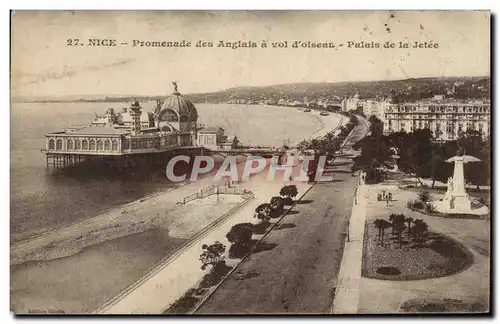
(168, 260)
(212, 190)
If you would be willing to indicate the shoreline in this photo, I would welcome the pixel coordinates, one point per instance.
(85, 241)
(19, 239)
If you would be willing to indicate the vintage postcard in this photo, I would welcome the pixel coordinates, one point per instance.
(250, 162)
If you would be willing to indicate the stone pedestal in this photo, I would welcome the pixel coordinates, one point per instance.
(461, 205)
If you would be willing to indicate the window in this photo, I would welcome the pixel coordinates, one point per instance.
(85, 145)
(114, 146)
(59, 144)
(70, 145)
(107, 145)
(99, 145)
(92, 145)
(51, 144)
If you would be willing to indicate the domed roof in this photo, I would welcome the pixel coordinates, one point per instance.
(180, 104)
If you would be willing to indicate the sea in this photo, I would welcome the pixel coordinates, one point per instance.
(41, 201)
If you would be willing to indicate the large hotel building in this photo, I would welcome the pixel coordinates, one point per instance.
(446, 118)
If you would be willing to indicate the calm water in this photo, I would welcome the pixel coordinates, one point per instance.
(41, 201)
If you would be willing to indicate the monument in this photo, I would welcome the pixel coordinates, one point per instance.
(456, 200)
(394, 159)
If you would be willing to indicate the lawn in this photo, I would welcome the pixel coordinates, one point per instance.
(436, 255)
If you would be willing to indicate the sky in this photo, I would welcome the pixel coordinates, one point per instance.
(43, 65)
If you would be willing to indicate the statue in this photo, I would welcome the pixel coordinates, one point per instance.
(449, 190)
(175, 86)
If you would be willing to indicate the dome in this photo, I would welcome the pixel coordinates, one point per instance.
(184, 109)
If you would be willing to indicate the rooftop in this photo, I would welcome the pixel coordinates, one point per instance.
(211, 129)
(96, 131)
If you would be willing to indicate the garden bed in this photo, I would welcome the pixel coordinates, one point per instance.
(449, 215)
(443, 306)
(435, 256)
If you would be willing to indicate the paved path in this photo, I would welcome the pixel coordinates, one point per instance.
(297, 270)
(471, 284)
(347, 295)
(156, 294)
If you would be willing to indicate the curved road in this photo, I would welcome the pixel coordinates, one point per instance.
(297, 266)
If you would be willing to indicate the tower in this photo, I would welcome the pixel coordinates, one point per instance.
(135, 112)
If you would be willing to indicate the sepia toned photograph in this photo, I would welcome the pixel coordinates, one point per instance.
(250, 162)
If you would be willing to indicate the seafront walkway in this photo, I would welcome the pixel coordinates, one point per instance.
(295, 271)
(158, 292)
(347, 294)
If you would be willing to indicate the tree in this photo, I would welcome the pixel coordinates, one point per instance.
(439, 170)
(263, 212)
(473, 143)
(381, 225)
(353, 120)
(424, 196)
(416, 152)
(240, 233)
(289, 192)
(419, 229)
(376, 126)
(212, 254)
(409, 220)
(399, 227)
(392, 219)
(277, 206)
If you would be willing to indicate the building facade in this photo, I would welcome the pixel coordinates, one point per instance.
(173, 124)
(445, 118)
(352, 103)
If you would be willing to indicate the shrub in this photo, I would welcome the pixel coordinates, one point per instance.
(415, 204)
(184, 304)
(374, 176)
(424, 196)
(240, 233)
(215, 275)
(289, 191)
(277, 206)
(429, 208)
(212, 254)
(263, 212)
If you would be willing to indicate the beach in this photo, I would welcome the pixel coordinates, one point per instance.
(58, 268)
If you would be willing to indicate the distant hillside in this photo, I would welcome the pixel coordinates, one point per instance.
(401, 90)
(398, 90)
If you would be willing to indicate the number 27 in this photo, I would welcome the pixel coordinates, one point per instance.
(73, 42)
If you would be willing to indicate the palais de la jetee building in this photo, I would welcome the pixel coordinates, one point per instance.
(122, 137)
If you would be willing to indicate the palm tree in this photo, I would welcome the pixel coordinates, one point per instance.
(399, 227)
(419, 229)
(409, 220)
(378, 225)
(381, 225)
(392, 217)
